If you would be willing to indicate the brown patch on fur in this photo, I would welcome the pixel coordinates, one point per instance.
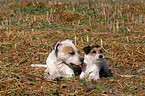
(67, 50)
(94, 51)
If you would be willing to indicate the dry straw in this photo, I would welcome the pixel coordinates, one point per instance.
(26, 38)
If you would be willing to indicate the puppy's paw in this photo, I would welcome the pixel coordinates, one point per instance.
(46, 75)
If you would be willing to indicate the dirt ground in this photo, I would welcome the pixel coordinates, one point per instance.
(28, 30)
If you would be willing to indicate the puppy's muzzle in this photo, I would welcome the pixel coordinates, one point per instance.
(79, 65)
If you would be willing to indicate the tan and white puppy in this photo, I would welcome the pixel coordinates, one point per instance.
(94, 63)
(61, 60)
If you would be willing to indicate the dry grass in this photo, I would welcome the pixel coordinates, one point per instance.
(29, 29)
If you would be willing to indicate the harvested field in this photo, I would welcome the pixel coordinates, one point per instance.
(28, 29)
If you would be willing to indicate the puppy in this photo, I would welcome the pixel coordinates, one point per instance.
(61, 61)
(94, 63)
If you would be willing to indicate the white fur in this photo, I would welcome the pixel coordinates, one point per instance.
(92, 67)
(75, 59)
(58, 66)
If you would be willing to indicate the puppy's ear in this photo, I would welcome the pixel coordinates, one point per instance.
(87, 49)
(57, 46)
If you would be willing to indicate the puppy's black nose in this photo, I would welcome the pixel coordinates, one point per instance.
(81, 59)
(100, 56)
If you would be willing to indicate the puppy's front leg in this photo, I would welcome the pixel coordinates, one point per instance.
(82, 76)
(52, 76)
(65, 71)
(97, 76)
(51, 73)
(68, 74)
(94, 75)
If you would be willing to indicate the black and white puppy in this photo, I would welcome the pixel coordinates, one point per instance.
(61, 60)
(94, 64)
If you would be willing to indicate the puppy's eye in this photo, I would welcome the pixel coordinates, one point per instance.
(72, 53)
(101, 51)
(94, 52)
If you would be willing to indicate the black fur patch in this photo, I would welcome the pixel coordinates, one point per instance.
(56, 48)
(89, 48)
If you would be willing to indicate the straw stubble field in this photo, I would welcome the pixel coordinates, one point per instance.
(28, 29)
